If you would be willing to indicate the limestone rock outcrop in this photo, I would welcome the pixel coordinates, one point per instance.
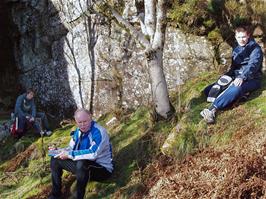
(75, 59)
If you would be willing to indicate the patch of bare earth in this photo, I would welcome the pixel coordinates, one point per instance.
(237, 170)
(15, 162)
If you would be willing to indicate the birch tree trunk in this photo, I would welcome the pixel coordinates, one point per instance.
(160, 93)
(155, 21)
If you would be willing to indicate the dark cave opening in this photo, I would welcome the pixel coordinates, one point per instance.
(8, 70)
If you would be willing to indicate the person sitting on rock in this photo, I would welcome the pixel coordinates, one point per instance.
(243, 77)
(25, 111)
(89, 155)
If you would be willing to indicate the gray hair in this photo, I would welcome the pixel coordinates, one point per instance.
(82, 110)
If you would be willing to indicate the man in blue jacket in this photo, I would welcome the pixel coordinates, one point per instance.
(89, 155)
(25, 110)
(245, 72)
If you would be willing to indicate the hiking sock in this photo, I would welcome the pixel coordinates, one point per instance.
(213, 109)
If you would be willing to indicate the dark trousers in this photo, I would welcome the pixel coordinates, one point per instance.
(232, 93)
(23, 122)
(84, 170)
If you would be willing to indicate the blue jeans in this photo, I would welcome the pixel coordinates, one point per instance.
(232, 93)
(23, 123)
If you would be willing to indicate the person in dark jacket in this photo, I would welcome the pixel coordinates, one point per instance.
(88, 156)
(245, 75)
(25, 110)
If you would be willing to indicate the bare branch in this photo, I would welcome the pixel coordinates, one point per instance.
(134, 32)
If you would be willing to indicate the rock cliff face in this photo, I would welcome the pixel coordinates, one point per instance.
(74, 59)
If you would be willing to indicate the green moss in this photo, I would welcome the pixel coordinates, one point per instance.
(191, 15)
(215, 36)
(186, 143)
(239, 9)
(136, 142)
(215, 18)
(21, 189)
(127, 135)
(209, 23)
(10, 146)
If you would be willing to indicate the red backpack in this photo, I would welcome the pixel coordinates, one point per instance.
(14, 130)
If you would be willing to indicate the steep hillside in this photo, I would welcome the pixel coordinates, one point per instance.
(24, 166)
(224, 160)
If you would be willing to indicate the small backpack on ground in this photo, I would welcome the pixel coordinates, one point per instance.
(14, 130)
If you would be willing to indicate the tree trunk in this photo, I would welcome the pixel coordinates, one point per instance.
(160, 95)
(155, 22)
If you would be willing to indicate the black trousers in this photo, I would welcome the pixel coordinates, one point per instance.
(85, 170)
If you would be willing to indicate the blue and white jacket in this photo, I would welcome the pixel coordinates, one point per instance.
(93, 145)
(247, 61)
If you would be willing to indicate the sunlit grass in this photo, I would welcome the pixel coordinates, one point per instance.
(195, 134)
(136, 141)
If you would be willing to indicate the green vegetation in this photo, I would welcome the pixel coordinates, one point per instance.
(195, 134)
(191, 16)
(24, 165)
(216, 18)
(136, 145)
(215, 36)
